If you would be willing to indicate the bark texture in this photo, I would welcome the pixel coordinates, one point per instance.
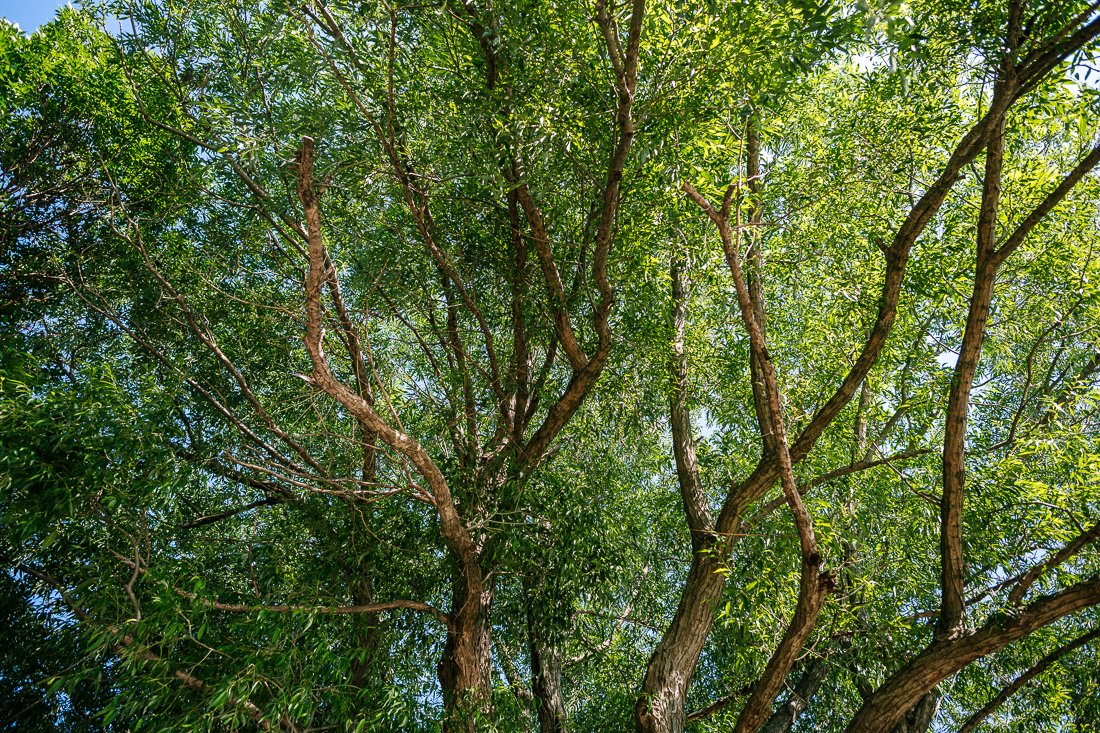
(465, 671)
(886, 707)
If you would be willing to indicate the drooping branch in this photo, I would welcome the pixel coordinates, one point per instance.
(122, 643)
(219, 516)
(415, 196)
(1024, 679)
(718, 705)
(190, 681)
(621, 620)
(196, 325)
(836, 473)
(369, 608)
(1078, 543)
(101, 307)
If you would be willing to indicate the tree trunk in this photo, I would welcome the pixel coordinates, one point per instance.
(546, 665)
(804, 690)
(465, 671)
(919, 718)
(545, 627)
(660, 709)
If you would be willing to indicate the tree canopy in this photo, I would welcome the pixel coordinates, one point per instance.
(592, 366)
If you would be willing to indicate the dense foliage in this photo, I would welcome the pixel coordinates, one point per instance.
(588, 366)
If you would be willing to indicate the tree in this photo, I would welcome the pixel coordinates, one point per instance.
(380, 366)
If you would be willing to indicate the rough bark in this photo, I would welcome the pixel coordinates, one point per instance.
(885, 708)
(804, 690)
(673, 662)
(465, 671)
(952, 568)
(1024, 679)
(547, 659)
(670, 669)
(755, 273)
(683, 443)
(681, 641)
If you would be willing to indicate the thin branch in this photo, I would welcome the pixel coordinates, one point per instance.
(405, 605)
(1085, 538)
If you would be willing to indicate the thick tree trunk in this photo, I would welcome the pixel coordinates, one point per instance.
(668, 676)
(465, 671)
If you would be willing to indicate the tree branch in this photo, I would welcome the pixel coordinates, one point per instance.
(405, 605)
(1013, 687)
(946, 656)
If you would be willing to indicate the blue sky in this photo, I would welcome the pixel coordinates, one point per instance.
(29, 14)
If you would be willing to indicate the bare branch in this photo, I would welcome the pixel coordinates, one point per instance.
(454, 532)
(212, 518)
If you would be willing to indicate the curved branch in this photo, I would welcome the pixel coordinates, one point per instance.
(451, 526)
(584, 378)
(1052, 199)
(1078, 543)
(813, 586)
